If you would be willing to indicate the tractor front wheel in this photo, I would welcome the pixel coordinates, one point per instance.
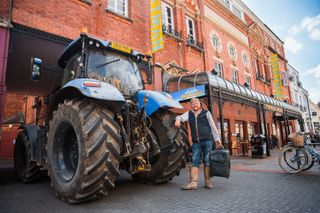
(83, 151)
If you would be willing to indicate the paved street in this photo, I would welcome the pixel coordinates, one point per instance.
(256, 185)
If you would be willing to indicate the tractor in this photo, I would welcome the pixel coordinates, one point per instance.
(100, 120)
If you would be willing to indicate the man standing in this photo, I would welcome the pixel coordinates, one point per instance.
(203, 131)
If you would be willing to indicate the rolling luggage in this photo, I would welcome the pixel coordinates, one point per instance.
(219, 163)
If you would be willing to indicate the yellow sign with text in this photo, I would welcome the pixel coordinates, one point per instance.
(156, 26)
(276, 77)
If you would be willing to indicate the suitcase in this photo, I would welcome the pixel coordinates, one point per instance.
(219, 163)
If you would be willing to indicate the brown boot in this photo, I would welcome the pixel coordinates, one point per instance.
(194, 180)
(207, 179)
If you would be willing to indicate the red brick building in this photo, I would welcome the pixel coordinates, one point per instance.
(199, 35)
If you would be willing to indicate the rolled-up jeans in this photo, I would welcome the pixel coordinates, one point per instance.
(199, 150)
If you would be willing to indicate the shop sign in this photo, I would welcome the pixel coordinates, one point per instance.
(192, 92)
(272, 108)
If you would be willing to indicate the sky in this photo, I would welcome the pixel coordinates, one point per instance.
(297, 24)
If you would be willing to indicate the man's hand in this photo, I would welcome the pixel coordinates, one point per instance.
(218, 144)
(177, 123)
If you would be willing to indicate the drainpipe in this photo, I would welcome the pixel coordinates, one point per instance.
(4, 46)
(309, 113)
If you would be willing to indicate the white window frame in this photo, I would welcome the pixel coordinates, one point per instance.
(167, 21)
(226, 3)
(235, 56)
(216, 41)
(193, 29)
(248, 80)
(218, 67)
(245, 59)
(235, 76)
(284, 78)
(114, 4)
(237, 11)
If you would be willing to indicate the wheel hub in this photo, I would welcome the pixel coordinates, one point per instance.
(66, 152)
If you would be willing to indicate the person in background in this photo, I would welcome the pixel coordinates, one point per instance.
(203, 131)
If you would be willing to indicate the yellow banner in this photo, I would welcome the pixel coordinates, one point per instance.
(276, 76)
(156, 25)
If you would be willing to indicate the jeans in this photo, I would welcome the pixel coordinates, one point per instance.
(204, 148)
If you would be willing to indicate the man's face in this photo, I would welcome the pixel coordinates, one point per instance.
(195, 105)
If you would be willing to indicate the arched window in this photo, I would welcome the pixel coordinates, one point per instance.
(232, 52)
(245, 59)
(215, 41)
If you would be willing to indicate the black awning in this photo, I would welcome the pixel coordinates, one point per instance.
(174, 84)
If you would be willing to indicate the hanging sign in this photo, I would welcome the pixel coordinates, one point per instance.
(156, 25)
(276, 77)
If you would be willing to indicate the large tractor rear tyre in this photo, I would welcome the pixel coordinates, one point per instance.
(171, 159)
(25, 169)
(83, 151)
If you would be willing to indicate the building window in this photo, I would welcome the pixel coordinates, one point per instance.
(239, 131)
(284, 79)
(167, 17)
(226, 3)
(256, 68)
(218, 68)
(215, 41)
(235, 78)
(267, 73)
(232, 52)
(237, 11)
(191, 34)
(248, 81)
(245, 59)
(118, 6)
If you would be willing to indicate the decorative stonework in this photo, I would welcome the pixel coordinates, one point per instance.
(189, 4)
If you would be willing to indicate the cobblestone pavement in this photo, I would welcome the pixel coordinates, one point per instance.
(251, 188)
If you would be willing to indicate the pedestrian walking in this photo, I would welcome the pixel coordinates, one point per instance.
(203, 132)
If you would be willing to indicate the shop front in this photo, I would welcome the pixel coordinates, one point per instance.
(244, 113)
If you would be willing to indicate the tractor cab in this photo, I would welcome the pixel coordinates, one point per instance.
(109, 62)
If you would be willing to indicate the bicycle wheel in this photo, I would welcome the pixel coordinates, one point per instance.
(293, 159)
(310, 161)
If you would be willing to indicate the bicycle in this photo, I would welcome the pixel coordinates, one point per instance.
(313, 152)
(299, 155)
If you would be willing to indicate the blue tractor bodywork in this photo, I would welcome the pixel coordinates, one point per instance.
(97, 90)
(156, 100)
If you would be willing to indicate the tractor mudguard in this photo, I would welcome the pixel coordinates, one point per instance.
(156, 100)
(96, 89)
(32, 132)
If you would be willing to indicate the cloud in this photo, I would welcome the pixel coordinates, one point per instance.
(310, 24)
(292, 44)
(314, 94)
(294, 30)
(313, 71)
(315, 74)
